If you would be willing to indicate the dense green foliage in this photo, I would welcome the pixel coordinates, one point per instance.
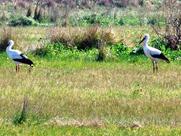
(112, 52)
(111, 130)
(22, 21)
(107, 20)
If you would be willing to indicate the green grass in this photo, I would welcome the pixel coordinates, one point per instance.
(118, 93)
(41, 130)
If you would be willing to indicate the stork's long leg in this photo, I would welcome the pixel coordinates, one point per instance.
(30, 68)
(156, 66)
(16, 68)
(153, 62)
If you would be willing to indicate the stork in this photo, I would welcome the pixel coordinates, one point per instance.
(154, 54)
(17, 56)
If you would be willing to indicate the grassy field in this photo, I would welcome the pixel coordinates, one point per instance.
(75, 95)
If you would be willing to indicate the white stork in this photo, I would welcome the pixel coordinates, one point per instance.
(152, 53)
(17, 56)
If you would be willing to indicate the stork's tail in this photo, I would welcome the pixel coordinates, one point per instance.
(32, 64)
(168, 61)
(165, 58)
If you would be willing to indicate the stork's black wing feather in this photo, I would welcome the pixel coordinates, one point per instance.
(160, 56)
(24, 60)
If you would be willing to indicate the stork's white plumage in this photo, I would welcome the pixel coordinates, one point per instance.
(154, 54)
(17, 56)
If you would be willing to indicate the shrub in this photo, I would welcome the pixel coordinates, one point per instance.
(22, 21)
(101, 51)
(120, 49)
(172, 24)
(81, 39)
(138, 50)
(51, 49)
(89, 40)
(159, 43)
(41, 52)
(173, 55)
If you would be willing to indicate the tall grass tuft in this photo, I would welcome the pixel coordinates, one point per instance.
(20, 118)
(6, 35)
(106, 37)
(101, 51)
(89, 40)
(81, 39)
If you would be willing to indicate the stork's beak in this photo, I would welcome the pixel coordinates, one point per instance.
(142, 40)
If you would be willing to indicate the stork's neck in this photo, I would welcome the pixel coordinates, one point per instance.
(9, 47)
(145, 43)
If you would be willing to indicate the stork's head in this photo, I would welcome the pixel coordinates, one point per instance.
(145, 38)
(10, 42)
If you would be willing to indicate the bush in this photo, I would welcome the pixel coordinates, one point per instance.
(159, 43)
(23, 21)
(174, 55)
(81, 39)
(89, 40)
(50, 50)
(101, 51)
(120, 49)
(137, 50)
(41, 52)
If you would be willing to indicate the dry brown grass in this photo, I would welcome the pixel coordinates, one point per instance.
(6, 35)
(75, 123)
(83, 37)
(25, 38)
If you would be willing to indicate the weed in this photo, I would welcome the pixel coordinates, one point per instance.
(20, 118)
(101, 51)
